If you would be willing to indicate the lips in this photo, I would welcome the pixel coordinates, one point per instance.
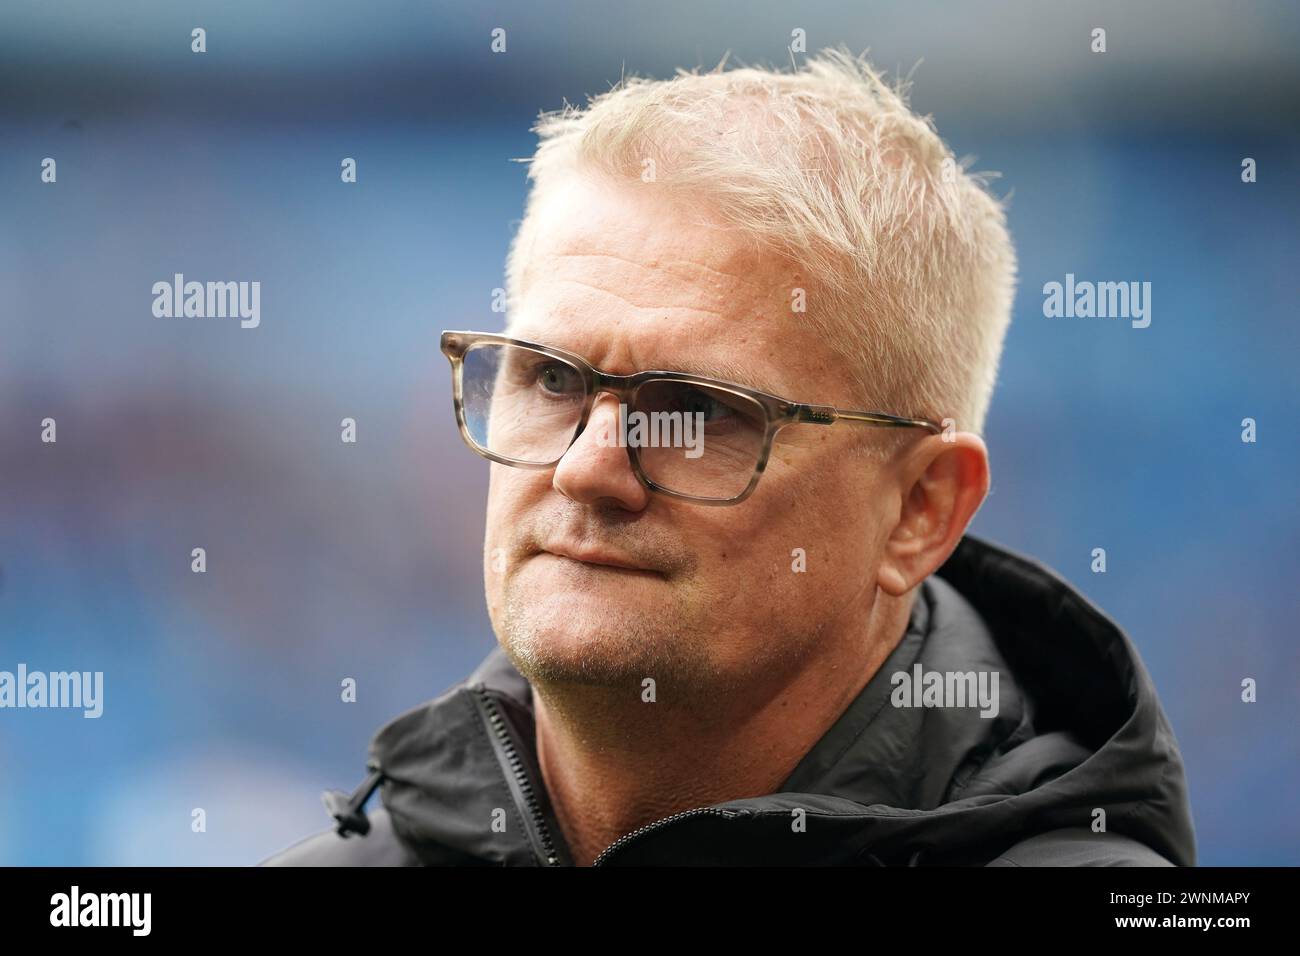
(600, 557)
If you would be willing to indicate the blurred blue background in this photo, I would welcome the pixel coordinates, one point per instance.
(328, 560)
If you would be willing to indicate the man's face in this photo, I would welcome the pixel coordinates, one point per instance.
(622, 277)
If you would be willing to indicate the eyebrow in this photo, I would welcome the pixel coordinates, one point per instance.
(725, 371)
(721, 369)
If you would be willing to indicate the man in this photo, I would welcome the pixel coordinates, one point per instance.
(697, 666)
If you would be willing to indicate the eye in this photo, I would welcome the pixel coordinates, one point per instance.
(557, 378)
(695, 401)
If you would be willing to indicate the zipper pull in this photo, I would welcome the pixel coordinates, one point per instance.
(346, 810)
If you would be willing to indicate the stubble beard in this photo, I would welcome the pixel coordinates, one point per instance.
(622, 647)
(618, 647)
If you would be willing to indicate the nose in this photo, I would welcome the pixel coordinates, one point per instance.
(595, 468)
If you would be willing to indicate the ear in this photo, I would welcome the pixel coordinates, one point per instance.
(943, 483)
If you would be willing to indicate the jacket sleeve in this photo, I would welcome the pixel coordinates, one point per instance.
(1079, 846)
(380, 847)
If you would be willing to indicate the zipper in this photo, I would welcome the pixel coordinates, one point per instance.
(515, 762)
(533, 808)
(642, 831)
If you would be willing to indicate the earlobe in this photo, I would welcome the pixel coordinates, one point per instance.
(891, 581)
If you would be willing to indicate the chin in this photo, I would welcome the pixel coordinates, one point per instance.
(552, 658)
(573, 642)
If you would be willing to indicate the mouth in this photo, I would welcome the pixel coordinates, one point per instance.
(599, 559)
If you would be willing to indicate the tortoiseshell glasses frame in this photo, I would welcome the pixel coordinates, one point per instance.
(762, 410)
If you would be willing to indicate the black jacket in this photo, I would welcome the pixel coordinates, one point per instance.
(1079, 729)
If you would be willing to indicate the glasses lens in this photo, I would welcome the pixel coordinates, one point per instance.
(696, 439)
(520, 403)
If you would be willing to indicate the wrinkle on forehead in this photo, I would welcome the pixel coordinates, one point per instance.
(726, 284)
(644, 227)
(655, 302)
(687, 269)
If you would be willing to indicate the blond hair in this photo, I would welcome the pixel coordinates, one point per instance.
(911, 267)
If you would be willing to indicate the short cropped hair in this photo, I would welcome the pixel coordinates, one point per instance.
(911, 268)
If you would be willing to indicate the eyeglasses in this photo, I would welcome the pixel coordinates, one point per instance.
(523, 404)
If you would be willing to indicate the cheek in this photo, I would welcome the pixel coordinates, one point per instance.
(501, 516)
(816, 517)
(515, 503)
(512, 492)
(744, 554)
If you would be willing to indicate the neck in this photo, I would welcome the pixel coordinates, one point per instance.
(613, 762)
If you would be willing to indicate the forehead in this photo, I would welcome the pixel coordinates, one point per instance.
(632, 279)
